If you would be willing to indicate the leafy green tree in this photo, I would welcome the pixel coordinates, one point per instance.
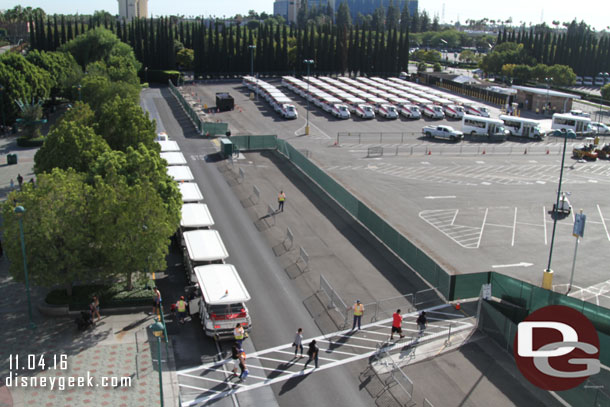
(80, 113)
(540, 72)
(562, 75)
(118, 69)
(31, 116)
(57, 230)
(422, 67)
(437, 67)
(124, 124)
(522, 73)
(392, 16)
(97, 89)
(69, 145)
(185, 58)
(344, 18)
(64, 70)
(467, 56)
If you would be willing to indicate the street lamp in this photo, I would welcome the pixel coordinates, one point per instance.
(146, 74)
(20, 210)
(157, 330)
(548, 80)
(252, 48)
(548, 273)
(308, 62)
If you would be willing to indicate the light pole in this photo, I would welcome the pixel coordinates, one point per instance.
(548, 86)
(308, 62)
(80, 97)
(252, 48)
(547, 278)
(146, 74)
(157, 330)
(20, 210)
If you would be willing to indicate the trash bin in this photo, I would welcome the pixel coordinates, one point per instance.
(11, 159)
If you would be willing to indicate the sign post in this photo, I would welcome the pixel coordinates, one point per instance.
(578, 232)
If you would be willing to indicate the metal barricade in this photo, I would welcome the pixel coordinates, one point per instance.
(335, 301)
(386, 307)
(242, 174)
(256, 192)
(303, 256)
(289, 238)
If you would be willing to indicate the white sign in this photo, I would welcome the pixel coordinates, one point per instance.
(486, 291)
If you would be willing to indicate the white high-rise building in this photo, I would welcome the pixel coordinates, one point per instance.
(130, 9)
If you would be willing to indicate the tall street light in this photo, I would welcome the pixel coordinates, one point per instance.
(547, 279)
(548, 86)
(20, 210)
(308, 62)
(80, 96)
(157, 330)
(252, 48)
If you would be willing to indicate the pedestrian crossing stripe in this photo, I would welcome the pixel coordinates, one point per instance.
(433, 331)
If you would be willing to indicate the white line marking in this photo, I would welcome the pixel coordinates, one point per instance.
(440, 197)
(603, 221)
(454, 216)
(522, 264)
(482, 227)
(544, 220)
(514, 227)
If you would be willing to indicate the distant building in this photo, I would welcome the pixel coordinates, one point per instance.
(289, 8)
(130, 9)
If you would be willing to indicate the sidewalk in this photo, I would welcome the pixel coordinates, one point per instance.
(119, 346)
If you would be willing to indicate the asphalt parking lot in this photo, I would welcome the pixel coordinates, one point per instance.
(473, 206)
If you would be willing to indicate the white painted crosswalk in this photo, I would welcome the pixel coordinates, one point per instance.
(203, 384)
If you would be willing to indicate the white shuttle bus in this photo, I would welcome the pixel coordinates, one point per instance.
(220, 300)
(190, 192)
(202, 247)
(482, 126)
(519, 127)
(579, 124)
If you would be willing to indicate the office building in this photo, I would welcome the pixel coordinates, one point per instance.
(129, 9)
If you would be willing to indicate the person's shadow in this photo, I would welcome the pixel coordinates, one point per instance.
(293, 382)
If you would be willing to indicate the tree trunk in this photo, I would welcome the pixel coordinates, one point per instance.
(129, 282)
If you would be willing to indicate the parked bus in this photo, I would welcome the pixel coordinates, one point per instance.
(220, 300)
(173, 158)
(202, 247)
(519, 127)
(579, 124)
(482, 126)
(180, 173)
(190, 192)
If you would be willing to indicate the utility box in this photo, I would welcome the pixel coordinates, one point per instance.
(224, 102)
(226, 147)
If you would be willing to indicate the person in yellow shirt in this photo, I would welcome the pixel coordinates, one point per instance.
(358, 311)
(281, 198)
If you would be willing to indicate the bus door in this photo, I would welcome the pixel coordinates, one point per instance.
(526, 130)
(579, 126)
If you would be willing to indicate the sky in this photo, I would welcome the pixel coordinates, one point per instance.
(593, 12)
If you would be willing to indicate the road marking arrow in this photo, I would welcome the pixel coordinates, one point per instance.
(441, 197)
(522, 264)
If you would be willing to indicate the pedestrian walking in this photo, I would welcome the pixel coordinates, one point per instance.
(20, 180)
(239, 334)
(281, 198)
(156, 301)
(96, 308)
(312, 352)
(242, 365)
(181, 305)
(235, 358)
(12, 184)
(298, 342)
(396, 325)
(422, 321)
(358, 311)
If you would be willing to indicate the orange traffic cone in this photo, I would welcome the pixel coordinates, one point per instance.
(547, 151)
(458, 306)
(429, 152)
(483, 152)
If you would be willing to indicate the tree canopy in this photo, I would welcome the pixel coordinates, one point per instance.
(124, 124)
(64, 71)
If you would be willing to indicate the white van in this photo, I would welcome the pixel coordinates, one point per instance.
(433, 111)
(477, 110)
(579, 124)
(340, 111)
(190, 192)
(410, 111)
(388, 111)
(365, 111)
(174, 158)
(519, 127)
(202, 247)
(482, 126)
(221, 299)
(454, 111)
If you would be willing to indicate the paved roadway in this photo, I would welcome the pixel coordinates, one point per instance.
(260, 272)
(474, 206)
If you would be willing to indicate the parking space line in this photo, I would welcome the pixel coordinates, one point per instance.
(544, 221)
(454, 216)
(514, 227)
(482, 227)
(603, 221)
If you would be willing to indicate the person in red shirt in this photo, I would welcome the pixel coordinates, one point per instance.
(396, 324)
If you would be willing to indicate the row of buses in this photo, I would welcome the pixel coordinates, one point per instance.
(272, 95)
(221, 295)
